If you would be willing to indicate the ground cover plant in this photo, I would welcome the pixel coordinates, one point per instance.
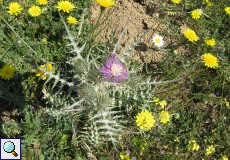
(70, 96)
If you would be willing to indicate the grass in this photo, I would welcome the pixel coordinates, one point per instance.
(75, 113)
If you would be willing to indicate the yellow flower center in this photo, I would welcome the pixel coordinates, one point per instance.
(7, 72)
(158, 40)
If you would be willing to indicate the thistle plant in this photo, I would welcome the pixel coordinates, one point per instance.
(94, 92)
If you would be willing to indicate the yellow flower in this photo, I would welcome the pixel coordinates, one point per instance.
(210, 150)
(176, 1)
(192, 145)
(35, 11)
(196, 13)
(65, 6)
(162, 104)
(156, 100)
(191, 35)
(164, 117)
(145, 120)
(210, 41)
(14, 8)
(106, 3)
(72, 20)
(210, 60)
(227, 103)
(48, 68)
(7, 72)
(171, 13)
(227, 10)
(224, 157)
(175, 52)
(44, 40)
(208, 3)
(42, 2)
(124, 156)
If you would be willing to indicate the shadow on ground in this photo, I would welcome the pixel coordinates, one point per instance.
(12, 102)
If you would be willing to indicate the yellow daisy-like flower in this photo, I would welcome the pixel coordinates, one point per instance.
(224, 157)
(164, 117)
(190, 35)
(176, 1)
(65, 6)
(7, 72)
(14, 8)
(42, 2)
(145, 120)
(193, 146)
(196, 13)
(106, 3)
(210, 41)
(72, 20)
(227, 10)
(35, 11)
(48, 67)
(210, 150)
(210, 60)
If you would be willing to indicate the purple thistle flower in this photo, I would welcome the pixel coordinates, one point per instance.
(114, 69)
(162, 152)
(134, 158)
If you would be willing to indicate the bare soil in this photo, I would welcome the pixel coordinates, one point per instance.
(141, 18)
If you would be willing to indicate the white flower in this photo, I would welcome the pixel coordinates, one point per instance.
(158, 40)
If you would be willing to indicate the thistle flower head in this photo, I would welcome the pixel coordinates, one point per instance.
(114, 70)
